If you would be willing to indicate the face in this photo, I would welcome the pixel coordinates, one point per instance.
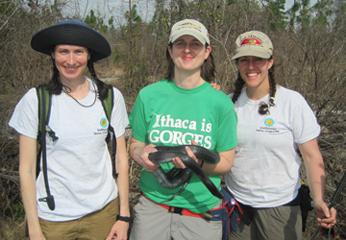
(71, 61)
(254, 71)
(188, 54)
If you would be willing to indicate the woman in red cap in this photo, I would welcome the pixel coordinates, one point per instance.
(273, 124)
(74, 195)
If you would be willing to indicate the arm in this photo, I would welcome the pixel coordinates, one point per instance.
(314, 167)
(120, 228)
(223, 166)
(27, 173)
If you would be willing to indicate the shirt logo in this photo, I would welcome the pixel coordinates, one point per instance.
(269, 122)
(104, 123)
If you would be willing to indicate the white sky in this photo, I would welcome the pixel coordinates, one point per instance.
(107, 8)
(117, 8)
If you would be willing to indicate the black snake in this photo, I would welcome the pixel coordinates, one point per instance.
(178, 176)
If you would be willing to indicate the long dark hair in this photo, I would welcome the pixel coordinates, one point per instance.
(55, 86)
(239, 84)
(207, 70)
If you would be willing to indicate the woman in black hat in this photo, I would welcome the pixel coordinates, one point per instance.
(74, 195)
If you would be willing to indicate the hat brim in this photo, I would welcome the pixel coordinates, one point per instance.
(45, 40)
(190, 32)
(249, 52)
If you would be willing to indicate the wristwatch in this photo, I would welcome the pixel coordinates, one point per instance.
(123, 218)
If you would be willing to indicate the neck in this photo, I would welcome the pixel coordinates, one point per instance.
(188, 80)
(258, 92)
(76, 89)
(76, 85)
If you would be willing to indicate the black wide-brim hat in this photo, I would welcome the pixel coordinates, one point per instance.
(73, 32)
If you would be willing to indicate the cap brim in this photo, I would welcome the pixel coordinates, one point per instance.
(251, 52)
(191, 32)
(45, 40)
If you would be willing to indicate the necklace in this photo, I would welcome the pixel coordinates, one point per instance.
(68, 90)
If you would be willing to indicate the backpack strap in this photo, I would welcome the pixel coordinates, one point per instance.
(44, 105)
(107, 104)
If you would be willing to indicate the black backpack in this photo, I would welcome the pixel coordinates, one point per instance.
(44, 107)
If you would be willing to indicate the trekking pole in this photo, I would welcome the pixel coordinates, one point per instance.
(335, 198)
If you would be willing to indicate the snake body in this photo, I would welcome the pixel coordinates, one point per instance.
(177, 176)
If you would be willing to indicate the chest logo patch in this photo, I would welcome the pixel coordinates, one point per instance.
(104, 122)
(269, 122)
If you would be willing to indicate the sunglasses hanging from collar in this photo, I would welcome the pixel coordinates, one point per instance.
(263, 108)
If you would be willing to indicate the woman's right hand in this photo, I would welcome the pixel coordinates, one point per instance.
(146, 163)
(37, 236)
(139, 152)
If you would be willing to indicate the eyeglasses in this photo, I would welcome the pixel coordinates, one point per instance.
(193, 46)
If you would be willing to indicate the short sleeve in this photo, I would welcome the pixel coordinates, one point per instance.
(25, 115)
(137, 120)
(119, 119)
(227, 132)
(304, 123)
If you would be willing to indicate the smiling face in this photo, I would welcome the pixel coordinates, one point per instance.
(71, 61)
(188, 54)
(255, 72)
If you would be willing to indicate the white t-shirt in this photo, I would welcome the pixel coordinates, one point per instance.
(79, 163)
(266, 167)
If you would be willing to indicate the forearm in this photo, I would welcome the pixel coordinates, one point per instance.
(223, 166)
(314, 168)
(27, 174)
(316, 177)
(123, 177)
(136, 151)
(28, 192)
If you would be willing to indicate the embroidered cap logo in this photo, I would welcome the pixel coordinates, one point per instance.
(251, 41)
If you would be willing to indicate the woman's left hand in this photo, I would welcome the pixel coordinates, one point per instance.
(118, 231)
(180, 164)
(326, 217)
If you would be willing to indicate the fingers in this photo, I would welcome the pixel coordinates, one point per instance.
(118, 231)
(149, 165)
(191, 154)
(215, 85)
(178, 162)
(326, 217)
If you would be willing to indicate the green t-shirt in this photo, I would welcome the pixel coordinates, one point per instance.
(167, 115)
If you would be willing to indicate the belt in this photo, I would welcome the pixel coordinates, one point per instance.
(186, 212)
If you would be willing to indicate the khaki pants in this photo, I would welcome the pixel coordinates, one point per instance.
(94, 226)
(152, 222)
(279, 223)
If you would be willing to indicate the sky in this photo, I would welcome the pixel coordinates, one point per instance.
(117, 8)
(107, 8)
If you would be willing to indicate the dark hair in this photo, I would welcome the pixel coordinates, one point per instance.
(207, 70)
(239, 84)
(55, 86)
